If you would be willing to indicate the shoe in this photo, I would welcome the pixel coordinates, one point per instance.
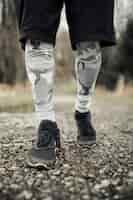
(86, 131)
(43, 152)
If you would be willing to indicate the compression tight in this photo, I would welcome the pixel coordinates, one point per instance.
(40, 66)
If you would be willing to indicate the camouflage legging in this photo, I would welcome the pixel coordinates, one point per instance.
(40, 67)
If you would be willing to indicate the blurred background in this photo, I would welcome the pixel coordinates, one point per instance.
(116, 76)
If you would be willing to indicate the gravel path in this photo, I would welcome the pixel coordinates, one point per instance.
(102, 172)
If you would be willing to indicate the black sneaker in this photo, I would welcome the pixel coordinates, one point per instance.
(43, 152)
(86, 132)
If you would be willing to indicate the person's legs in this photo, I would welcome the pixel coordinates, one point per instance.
(87, 67)
(91, 26)
(40, 67)
(38, 23)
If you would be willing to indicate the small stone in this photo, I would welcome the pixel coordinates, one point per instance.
(80, 180)
(121, 155)
(27, 195)
(53, 177)
(66, 166)
(116, 197)
(57, 173)
(97, 187)
(120, 170)
(105, 183)
(71, 189)
(14, 186)
(69, 178)
(73, 173)
(130, 174)
(30, 182)
(13, 168)
(40, 175)
(26, 170)
(68, 183)
(119, 188)
(85, 197)
(115, 182)
(45, 183)
(6, 145)
(91, 176)
(38, 182)
(2, 171)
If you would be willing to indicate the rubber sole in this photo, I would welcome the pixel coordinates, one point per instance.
(34, 162)
(81, 142)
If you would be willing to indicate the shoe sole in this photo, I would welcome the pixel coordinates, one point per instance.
(86, 142)
(39, 164)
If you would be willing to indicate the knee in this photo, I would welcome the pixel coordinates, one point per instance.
(88, 51)
(39, 56)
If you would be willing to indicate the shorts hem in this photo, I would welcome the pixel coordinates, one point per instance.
(104, 40)
(24, 36)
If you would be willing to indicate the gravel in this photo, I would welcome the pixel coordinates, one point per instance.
(101, 172)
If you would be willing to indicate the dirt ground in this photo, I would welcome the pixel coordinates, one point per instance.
(101, 172)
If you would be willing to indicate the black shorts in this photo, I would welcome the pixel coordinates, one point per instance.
(88, 20)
